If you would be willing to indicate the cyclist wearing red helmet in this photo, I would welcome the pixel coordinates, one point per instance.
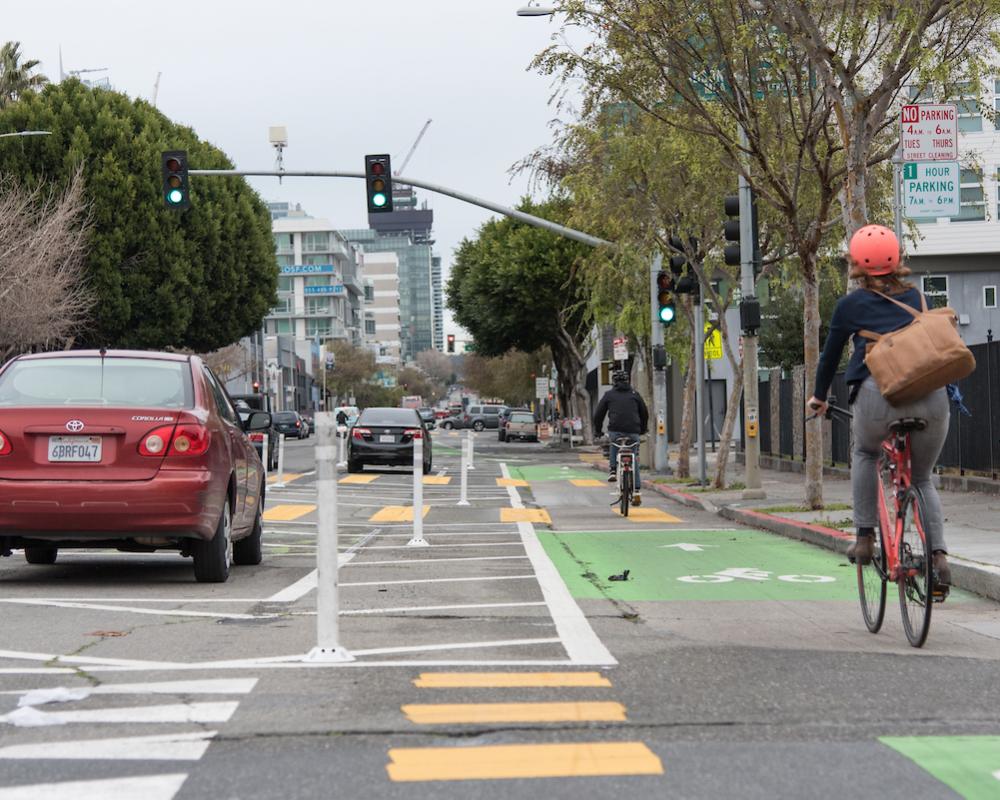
(875, 264)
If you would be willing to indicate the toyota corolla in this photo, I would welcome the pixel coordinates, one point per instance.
(135, 451)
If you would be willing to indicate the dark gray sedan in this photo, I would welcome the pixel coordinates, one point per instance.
(384, 437)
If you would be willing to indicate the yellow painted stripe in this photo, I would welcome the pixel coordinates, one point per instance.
(359, 479)
(592, 459)
(509, 680)
(437, 480)
(511, 482)
(525, 515)
(648, 515)
(289, 477)
(455, 713)
(583, 759)
(287, 512)
(586, 482)
(395, 514)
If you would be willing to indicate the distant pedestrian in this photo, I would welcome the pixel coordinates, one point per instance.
(628, 418)
(341, 417)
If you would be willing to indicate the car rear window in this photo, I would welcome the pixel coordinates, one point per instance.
(389, 416)
(517, 417)
(284, 416)
(126, 382)
(491, 410)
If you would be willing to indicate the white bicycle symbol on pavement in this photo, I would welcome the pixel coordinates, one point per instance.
(753, 574)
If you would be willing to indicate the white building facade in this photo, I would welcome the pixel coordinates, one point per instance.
(382, 324)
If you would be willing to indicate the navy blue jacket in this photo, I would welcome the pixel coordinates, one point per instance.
(857, 311)
(625, 410)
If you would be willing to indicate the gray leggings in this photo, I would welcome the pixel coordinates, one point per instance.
(872, 417)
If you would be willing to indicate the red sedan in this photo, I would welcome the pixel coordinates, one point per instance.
(136, 451)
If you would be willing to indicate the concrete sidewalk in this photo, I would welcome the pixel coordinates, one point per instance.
(971, 519)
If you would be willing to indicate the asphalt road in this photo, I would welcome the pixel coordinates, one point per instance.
(501, 661)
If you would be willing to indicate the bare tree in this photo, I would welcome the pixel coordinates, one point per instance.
(436, 364)
(229, 362)
(44, 301)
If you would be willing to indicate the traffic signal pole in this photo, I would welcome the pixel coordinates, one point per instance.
(659, 420)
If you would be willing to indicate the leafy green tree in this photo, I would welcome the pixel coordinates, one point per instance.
(354, 367)
(16, 78)
(198, 279)
(517, 287)
(510, 376)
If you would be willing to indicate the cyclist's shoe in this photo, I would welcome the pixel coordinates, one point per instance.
(942, 571)
(612, 477)
(637, 499)
(862, 550)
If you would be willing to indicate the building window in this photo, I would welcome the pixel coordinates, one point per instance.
(279, 326)
(370, 290)
(315, 242)
(318, 327)
(970, 118)
(973, 198)
(284, 283)
(989, 297)
(370, 327)
(283, 306)
(317, 305)
(318, 280)
(283, 242)
(935, 289)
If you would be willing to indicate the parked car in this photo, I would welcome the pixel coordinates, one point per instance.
(260, 402)
(427, 415)
(289, 423)
(481, 417)
(455, 419)
(385, 436)
(136, 451)
(521, 425)
(504, 417)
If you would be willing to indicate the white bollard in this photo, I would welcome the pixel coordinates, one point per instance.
(280, 483)
(463, 499)
(264, 456)
(328, 648)
(471, 441)
(418, 494)
(342, 433)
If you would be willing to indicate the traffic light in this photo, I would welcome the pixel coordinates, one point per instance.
(378, 182)
(256, 387)
(175, 179)
(733, 253)
(451, 343)
(666, 306)
(685, 280)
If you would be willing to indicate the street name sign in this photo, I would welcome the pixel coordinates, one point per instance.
(931, 189)
(929, 132)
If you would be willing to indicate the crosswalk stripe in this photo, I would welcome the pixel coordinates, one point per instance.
(437, 480)
(509, 680)
(511, 482)
(472, 713)
(359, 479)
(522, 761)
(586, 482)
(284, 513)
(649, 515)
(525, 515)
(146, 787)
(168, 747)
(395, 514)
(288, 477)
(33, 697)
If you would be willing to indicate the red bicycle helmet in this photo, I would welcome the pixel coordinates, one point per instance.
(875, 249)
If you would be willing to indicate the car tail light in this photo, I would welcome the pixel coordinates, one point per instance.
(414, 433)
(257, 437)
(360, 433)
(187, 439)
(5, 447)
(298, 424)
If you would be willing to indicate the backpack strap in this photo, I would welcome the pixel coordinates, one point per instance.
(869, 335)
(913, 311)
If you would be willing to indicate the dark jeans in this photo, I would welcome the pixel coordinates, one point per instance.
(631, 438)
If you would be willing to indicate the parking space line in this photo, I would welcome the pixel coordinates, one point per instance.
(510, 680)
(173, 712)
(148, 611)
(419, 560)
(148, 787)
(168, 747)
(306, 584)
(583, 759)
(456, 607)
(525, 515)
(480, 713)
(359, 479)
(396, 514)
(442, 580)
(285, 513)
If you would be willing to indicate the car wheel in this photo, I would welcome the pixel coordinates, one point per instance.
(501, 437)
(354, 466)
(212, 558)
(478, 426)
(428, 466)
(248, 552)
(41, 555)
(447, 426)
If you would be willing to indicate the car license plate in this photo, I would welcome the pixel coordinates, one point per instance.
(387, 439)
(74, 448)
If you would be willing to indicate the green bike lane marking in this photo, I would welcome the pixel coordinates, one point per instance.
(697, 565)
(968, 764)
(552, 473)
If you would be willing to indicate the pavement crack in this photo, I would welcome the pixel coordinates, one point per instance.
(625, 611)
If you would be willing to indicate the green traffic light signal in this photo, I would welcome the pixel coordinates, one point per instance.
(175, 196)
(174, 164)
(378, 199)
(667, 314)
(378, 183)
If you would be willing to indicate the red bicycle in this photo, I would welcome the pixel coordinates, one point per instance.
(901, 553)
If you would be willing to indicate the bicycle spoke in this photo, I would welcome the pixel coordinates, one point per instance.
(871, 586)
(914, 574)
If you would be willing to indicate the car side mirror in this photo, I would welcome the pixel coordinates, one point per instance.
(257, 421)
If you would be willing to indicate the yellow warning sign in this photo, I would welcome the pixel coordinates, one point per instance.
(713, 343)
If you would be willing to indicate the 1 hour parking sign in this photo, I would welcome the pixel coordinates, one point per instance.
(931, 189)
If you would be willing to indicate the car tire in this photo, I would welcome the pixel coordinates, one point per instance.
(213, 557)
(478, 426)
(501, 437)
(447, 425)
(428, 466)
(41, 555)
(354, 466)
(248, 552)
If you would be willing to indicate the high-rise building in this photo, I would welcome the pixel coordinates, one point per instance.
(382, 306)
(437, 294)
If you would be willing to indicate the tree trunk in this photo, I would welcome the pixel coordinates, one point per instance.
(722, 460)
(687, 419)
(814, 429)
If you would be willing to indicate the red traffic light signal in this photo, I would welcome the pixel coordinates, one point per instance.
(451, 343)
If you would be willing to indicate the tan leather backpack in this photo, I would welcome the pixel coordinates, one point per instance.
(927, 354)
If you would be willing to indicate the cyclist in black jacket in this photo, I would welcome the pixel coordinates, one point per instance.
(628, 418)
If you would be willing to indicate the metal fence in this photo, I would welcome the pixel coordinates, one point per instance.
(973, 443)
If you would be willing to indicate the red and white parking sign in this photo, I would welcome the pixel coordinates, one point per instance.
(929, 132)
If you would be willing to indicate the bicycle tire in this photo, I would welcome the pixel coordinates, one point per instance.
(915, 587)
(872, 586)
(626, 492)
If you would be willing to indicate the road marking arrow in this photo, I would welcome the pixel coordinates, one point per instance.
(688, 547)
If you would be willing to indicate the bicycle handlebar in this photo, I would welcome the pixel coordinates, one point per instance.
(830, 411)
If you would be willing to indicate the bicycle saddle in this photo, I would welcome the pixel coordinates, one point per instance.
(907, 424)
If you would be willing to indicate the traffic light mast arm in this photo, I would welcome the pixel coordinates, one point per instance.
(521, 216)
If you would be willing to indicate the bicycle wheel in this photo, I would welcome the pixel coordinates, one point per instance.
(871, 586)
(915, 597)
(626, 491)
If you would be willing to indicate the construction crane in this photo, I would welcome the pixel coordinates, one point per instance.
(409, 155)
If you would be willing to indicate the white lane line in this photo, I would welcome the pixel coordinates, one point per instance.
(165, 747)
(437, 560)
(147, 787)
(581, 643)
(515, 543)
(304, 585)
(158, 612)
(408, 609)
(89, 660)
(402, 662)
(179, 600)
(207, 686)
(174, 712)
(441, 580)
(515, 498)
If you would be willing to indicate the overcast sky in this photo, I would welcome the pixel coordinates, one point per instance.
(346, 78)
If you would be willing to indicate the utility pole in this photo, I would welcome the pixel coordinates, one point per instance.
(699, 384)
(659, 372)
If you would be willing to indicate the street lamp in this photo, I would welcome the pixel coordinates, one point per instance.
(535, 11)
(25, 133)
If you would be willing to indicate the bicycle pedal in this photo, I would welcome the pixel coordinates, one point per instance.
(940, 593)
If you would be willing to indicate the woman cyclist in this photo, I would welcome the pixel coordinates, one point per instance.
(875, 264)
